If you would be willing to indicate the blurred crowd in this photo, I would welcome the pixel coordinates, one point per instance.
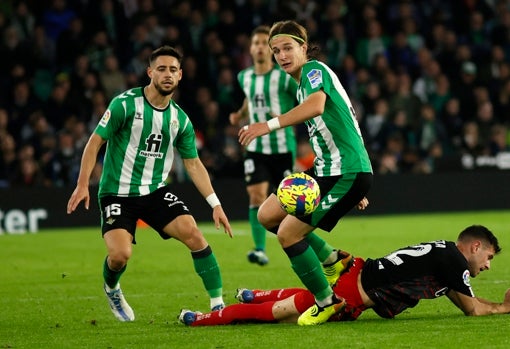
(429, 79)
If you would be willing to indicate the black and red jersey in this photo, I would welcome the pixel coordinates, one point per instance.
(427, 270)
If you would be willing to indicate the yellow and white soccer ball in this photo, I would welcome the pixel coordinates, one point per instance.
(299, 194)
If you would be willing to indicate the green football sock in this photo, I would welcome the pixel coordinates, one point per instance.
(111, 277)
(258, 232)
(207, 268)
(321, 248)
(307, 267)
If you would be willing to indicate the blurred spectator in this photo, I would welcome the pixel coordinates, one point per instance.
(372, 43)
(430, 130)
(404, 99)
(23, 20)
(485, 121)
(58, 106)
(225, 91)
(414, 38)
(154, 29)
(98, 49)
(426, 84)
(70, 44)
(453, 122)
(499, 139)
(8, 159)
(303, 9)
(373, 125)
(28, 174)
(57, 18)
(471, 143)
(336, 46)
(401, 56)
(13, 50)
(138, 64)
(500, 32)
(20, 106)
(112, 79)
(442, 93)
(464, 87)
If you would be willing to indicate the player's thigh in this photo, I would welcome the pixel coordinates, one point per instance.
(161, 208)
(184, 228)
(257, 193)
(270, 213)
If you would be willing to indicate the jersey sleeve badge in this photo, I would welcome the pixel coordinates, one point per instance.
(315, 77)
(106, 117)
(465, 278)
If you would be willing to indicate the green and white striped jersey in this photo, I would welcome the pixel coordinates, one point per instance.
(140, 144)
(335, 135)
(273, 92)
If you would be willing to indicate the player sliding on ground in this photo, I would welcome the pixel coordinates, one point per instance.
(388, 285)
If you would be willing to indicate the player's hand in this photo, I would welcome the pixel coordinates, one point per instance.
(249, 132)
(220, 217)
(80, 194)
(362, 204)
(234, 118)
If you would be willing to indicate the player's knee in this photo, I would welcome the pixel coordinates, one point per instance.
(118, 259)
(265, 219)
(193, 238)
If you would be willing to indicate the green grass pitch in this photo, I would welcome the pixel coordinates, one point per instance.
(51, 290)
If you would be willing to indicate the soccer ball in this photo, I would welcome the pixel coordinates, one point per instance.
(299, 194)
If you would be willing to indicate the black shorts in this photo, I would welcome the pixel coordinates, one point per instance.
(339, 195)
(157, 209)
(260, 168)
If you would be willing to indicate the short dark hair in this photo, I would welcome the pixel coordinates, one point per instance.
(261, 29)
(165, 51)
(482, 233)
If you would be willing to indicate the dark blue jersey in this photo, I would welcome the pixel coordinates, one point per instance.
(428, 270)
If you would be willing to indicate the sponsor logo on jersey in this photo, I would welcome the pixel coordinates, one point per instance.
(315, 77)
(138, 116)
(106, 117)
(465, 278)
(153, 146)
(110, 220)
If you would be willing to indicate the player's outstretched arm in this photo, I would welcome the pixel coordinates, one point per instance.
(310, 108)
(88, 161)
(200, 177)
(474, 306)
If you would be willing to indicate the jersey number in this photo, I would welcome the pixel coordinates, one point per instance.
(413, 251)
(112, 210)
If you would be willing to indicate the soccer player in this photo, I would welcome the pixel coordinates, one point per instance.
(268, 90)
(142, 127)
(388, 285)
(341, 167)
